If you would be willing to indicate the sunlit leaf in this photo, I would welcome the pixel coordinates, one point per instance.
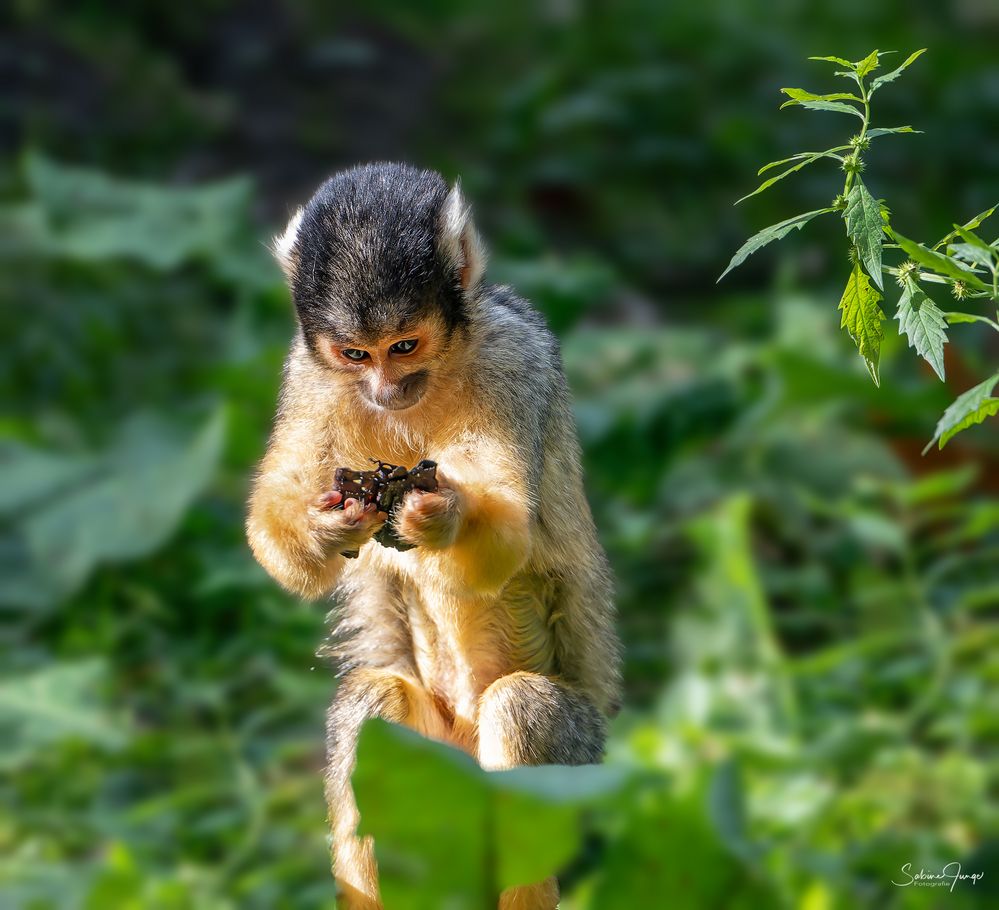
(895, 73)
(938, 262)
(923, 324)
(838, 60)
(799, 96)
(837, 106)
(868, 64)
(865, 228)
(862, 318)
(968, 409)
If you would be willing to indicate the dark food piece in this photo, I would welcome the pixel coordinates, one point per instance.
(385, 486)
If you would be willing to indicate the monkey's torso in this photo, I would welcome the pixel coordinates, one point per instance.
(406, 611)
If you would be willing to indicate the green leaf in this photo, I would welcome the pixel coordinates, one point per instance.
(969, 226)
(973, 253)
(865, 227)
(448, 833)
(967, 410)
(923, 324)
(768, 183)
(769, 234)
(799, 95)
(862, 318)
(887, 131)
(867, 65)
(128, 503)
(828, 153)
(895, 73)
(828, 106)
(956, 317)
(838, 60)
(938, 262)
(52, 705)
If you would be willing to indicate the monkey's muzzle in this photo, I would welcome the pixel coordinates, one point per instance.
(398, 396)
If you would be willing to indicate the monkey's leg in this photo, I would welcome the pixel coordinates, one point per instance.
(528, 719)
(362, 694)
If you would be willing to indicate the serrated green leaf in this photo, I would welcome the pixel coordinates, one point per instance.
(828, 153)
(923, 324)
(969, 226)
(862, 318)
(973, 253)
(868, 64)
(828, 106)
(865, 228)
(890, 130)
(956, 317)
(838, 60)
(895, 73)
(938, 262)
(772, 180)
(769, 234)
(799, 95)
(966, 410)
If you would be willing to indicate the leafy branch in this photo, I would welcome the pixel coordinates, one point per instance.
(961, 261)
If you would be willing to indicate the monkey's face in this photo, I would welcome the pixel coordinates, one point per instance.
(391, 371)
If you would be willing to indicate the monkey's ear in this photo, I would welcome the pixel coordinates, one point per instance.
(459, 241)
(283, 246)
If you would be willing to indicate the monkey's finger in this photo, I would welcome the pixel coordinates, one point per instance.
(331, 499)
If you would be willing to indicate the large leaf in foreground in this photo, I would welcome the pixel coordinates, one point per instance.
(449, 834)
(923, 324)
(864, 227)
(862, 319)
(968, 409)
(769, 234)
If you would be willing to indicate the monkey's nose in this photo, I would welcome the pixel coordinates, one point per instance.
(402, 394)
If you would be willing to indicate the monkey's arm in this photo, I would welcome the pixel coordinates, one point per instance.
(293, 532)
(481, 514)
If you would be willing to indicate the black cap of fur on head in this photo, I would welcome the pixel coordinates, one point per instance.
(379, 245)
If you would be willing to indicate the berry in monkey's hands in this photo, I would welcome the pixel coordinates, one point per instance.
(382, 489)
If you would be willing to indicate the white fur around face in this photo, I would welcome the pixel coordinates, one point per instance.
(460, 241)
(284, 244)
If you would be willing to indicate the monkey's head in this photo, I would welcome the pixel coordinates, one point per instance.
(383, 263)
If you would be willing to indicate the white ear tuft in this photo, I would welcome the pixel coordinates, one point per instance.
(283, 246)
(460, 241)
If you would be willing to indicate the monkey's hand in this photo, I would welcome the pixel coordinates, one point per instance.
(344, 530)
(430, 520)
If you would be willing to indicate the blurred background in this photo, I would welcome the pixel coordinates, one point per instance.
(809, 606)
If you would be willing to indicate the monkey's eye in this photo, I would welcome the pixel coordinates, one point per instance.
(404, 347)
(355, 354)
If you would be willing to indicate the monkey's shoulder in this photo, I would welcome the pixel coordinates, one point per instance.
(515, 335)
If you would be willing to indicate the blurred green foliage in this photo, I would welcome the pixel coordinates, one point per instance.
(809, 607)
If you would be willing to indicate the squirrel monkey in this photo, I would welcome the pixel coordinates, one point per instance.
(495, 632)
